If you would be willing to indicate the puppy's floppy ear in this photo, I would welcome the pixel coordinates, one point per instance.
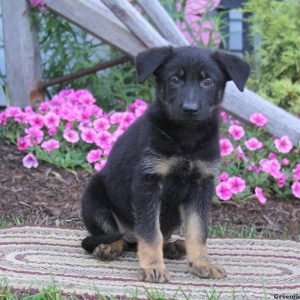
(235, 68)
(148, 61)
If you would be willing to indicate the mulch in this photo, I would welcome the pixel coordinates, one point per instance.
(51, 196)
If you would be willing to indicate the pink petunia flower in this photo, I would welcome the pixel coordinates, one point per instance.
(116, 118)
(272, 155)
(283, 144)
(21, 118)
(136, 104)
(296, 189)
(35, 3)
(36, 121)
(24, 143)
(51, 120)
(30, 161)
(223, 176)
(225, 147)
(253, 144)
(140, 111)
(85, 97)
(35, 134)
(296, 172)
(101, 165)
(89, 135)
(52, 131)
(128, 119)
(281, 181)
(237, 132)
(224, 115)
(258, 119)
(94, 156)
(138, 107)
(71, 136)
(50, 145)
(285, 161)
(84, 125)
(237, 184)
(271, 167)
(3, 118)
(101, 124)
(223, 191)
(103, 139)
(44, 107)
(28, 110)
(260, 195)
(12, 111)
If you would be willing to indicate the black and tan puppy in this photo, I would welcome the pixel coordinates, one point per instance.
(161, 171)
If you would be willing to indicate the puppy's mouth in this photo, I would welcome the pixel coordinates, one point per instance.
(199, 116)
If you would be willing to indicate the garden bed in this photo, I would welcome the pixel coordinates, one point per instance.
(51, 196)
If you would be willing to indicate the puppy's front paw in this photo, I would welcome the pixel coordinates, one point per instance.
(157, 275)
(204, 269)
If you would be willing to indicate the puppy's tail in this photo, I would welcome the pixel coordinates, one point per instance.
(91, 242)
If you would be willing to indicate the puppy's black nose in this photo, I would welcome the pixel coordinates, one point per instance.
(190, 107)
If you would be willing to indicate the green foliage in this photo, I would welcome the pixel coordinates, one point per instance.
(276, 65)
(66, 49)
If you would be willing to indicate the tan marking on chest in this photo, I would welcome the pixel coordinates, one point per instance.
(208, 168)
(162, 166)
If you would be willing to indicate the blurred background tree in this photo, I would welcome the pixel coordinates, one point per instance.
(275, 25)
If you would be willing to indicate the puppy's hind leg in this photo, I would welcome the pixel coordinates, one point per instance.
(105, 241)
(174, 249)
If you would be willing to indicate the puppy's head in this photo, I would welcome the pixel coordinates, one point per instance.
(191, 80)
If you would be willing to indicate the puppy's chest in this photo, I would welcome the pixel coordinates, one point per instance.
(179, 166)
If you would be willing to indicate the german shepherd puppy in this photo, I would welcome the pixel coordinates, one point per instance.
(160, 172)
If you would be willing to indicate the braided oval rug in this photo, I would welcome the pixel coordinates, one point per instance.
(34, 257)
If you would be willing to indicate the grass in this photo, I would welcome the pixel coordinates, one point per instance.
(52, 292)
(3, 222)
(226, 231)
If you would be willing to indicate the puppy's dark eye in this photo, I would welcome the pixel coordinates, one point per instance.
(175, 80)
(207, 82)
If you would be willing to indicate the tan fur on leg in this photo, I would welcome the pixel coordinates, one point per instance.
(151, 261)
(196, 249)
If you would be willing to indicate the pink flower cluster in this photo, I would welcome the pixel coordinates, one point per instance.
(194, 27)
(35, 3)
(229, 186)
(254, 164)
(69, 118)
(273, 168)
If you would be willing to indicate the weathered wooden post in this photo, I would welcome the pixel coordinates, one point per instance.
(94, 17)
(22, 53)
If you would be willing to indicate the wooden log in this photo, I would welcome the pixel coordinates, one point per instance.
(243, 105)
(22, 53)
(163, 22)
(95, 18)
(136, 23)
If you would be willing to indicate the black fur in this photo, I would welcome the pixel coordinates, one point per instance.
(182, 123)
